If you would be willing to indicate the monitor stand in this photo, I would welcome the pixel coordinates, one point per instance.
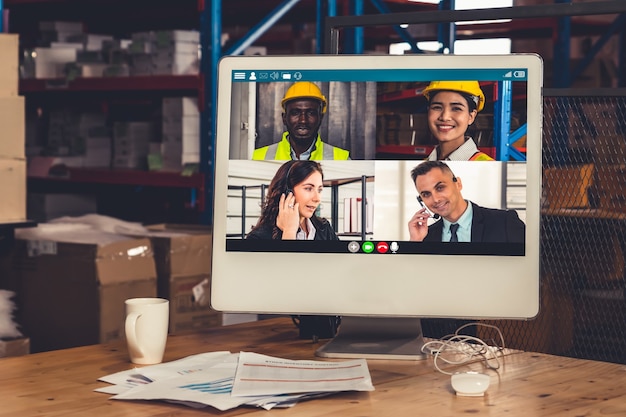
(376, 338)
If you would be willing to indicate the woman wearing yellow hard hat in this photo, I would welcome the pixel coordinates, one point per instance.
(452, 108)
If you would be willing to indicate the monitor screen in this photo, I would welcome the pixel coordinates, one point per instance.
(326, 202)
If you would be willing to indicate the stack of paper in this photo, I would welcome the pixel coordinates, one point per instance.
(227, 380)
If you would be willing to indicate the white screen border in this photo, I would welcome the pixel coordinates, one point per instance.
(361, 285)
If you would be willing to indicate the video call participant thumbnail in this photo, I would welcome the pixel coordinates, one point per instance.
(288, 212)
(461, 220)
(304, 107)
(452, 108)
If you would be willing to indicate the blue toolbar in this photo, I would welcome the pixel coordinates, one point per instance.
(390, 75)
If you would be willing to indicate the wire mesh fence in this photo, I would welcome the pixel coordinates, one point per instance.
(583, 232)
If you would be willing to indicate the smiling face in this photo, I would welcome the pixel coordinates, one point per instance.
(449, 117)
(441, 193)
(308, 194)
(302, 118)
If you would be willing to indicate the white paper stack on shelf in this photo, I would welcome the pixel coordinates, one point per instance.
(168, 52)
(180, 143)
(63, 137)
(93, 42)
(50, 62)
(57, 48)
(59, 31)
(131, 144)
(93, 130)
(225, 380)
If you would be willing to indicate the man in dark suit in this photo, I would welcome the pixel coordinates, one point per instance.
(461, 220)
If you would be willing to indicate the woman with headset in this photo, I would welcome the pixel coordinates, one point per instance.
(452, 108)
(289, 209)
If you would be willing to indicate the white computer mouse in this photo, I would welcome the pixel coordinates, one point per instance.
(470, 384)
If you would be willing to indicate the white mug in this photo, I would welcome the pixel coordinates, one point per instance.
(147, 320)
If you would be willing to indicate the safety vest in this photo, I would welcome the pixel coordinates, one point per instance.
(281, 151)
(481, 156)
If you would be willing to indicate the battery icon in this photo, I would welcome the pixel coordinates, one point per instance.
(286, 75)
(519, 74)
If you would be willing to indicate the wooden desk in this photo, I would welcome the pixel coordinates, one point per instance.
(61, 383)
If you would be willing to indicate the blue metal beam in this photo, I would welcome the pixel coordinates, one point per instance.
(403, 33)
(261, 27)
(514, 153)
(502, 120)
(618, 24)
(319, 20)
(210, 41)
(447, 31)
(561, 79)
(354, 43)
(561, 51)
(621, 67)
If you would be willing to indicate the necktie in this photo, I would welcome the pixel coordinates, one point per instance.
(453, 229)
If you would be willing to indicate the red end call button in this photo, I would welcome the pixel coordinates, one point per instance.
(382, 247)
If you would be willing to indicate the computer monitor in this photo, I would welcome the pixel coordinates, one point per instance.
(374, 108)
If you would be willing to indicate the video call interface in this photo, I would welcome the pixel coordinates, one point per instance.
(380, 117)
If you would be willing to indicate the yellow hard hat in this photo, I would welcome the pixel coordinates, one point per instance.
(304, 89)
(468, 87)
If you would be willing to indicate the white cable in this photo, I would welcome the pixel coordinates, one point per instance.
(465, 349)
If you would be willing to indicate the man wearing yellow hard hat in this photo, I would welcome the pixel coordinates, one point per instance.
(452, 108)
(304, 107)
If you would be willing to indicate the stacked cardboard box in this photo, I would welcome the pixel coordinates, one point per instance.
(73, 283)
(403, 129)
(182, 254)
(12, 155)
(609, 155)
(609, 187)
(568, 187)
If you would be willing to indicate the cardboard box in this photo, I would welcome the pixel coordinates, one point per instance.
(14, 347)
(9, 69)
(12, 120)
(74, 283)
(566, 187)
(190, 309)
(181, 249)
(403, 129)
(609, 150)
(182, 255)
(13, 186)
(609, 187)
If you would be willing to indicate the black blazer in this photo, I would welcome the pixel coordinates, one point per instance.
(323, 230)
(488, 225)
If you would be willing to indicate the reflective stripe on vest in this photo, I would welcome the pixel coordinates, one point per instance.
(281, 151)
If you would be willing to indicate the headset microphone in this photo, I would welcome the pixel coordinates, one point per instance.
(434, 215)
(287, 188)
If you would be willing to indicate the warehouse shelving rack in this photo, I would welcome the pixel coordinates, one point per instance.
(548, 20)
